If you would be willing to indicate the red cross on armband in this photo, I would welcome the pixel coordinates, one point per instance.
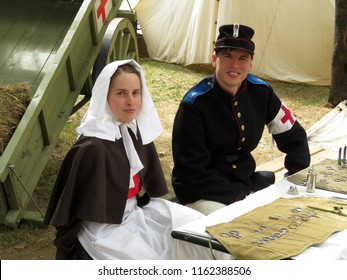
(283, 121)
(101, 10)
(288, 116)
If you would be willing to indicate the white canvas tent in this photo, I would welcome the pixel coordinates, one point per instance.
(294, 38)
(330, 131)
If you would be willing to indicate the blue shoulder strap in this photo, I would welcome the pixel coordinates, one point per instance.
(256, 80)
(202, 87)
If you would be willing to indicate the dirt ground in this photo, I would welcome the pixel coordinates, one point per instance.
(37, 241)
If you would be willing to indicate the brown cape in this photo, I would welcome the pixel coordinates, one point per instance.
(93, 184)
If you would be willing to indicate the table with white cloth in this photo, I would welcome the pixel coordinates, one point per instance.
(191, 241)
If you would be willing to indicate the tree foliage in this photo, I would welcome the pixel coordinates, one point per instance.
(338, 88)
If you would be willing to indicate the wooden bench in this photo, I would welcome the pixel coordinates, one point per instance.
(276, 165)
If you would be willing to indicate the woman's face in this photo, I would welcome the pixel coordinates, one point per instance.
(124, 96)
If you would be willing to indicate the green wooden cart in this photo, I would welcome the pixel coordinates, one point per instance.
(59, 47)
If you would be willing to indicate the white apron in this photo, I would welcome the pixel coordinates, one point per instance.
(145, 233)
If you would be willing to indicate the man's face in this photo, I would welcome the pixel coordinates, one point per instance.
(232, 67)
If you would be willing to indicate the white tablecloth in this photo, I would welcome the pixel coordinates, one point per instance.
(329, 250)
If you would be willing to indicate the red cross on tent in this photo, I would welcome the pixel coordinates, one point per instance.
(287, 115)
(101, 10)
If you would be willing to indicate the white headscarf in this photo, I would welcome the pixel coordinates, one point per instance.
(100, 122)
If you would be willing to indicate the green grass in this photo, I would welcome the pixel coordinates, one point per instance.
(169, 81)
(25, 235)
(302, 94)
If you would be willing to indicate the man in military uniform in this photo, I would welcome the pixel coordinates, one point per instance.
(219, 123)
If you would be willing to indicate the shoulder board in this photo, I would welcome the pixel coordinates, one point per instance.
(202, 87)
(256, 80)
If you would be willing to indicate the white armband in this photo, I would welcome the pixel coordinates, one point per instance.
(283, 121)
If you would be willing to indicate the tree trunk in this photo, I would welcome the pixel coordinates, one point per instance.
(338, 87)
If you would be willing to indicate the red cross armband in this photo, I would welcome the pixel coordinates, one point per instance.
(283, 121)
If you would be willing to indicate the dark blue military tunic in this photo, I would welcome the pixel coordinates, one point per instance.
(214, 134)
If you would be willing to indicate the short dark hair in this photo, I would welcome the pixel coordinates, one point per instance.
(230, 49)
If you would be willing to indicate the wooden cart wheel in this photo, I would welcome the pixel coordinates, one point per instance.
(119, 43)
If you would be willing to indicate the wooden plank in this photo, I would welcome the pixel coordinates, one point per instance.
(277, 165)
(6, 21)
(39, 37)
(18, 25)
(3, 203)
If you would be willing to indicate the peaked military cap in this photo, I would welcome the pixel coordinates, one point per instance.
(235, 36)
